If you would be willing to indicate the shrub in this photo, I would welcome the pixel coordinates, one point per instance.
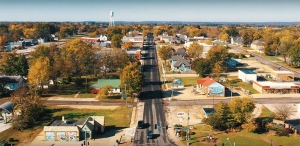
(285, 132)
(79, 81)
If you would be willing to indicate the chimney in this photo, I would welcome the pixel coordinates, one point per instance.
(63, 118)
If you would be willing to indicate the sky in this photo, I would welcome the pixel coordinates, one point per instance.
(151, 10)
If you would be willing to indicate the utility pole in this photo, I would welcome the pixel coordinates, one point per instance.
(188, 129)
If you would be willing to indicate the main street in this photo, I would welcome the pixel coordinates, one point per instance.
(151, 95)
(266, 61)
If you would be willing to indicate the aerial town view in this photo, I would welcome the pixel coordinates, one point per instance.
(149, 73)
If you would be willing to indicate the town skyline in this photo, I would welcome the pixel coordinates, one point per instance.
(138, 11)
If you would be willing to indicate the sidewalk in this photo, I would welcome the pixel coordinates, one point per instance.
(275, 95)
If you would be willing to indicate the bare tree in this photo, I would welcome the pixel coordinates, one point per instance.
(283, 111)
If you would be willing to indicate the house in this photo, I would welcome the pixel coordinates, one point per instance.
(266, 87)
(134, 53)
(180, 52)
(29, 42)
(15, 45)
(210, 87)
(115, 83)
(257, 45)
(179, 63)
(102, 38)
(166, 38)
(11, 83)
(74, 130)
(286, 76)
(247, 76)
(231, 62)
(236, 40)
(6, 110)
(88, 39)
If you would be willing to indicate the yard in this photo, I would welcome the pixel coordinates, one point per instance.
(234, 81)
(113, 118)
(242, 138)
(186, 81)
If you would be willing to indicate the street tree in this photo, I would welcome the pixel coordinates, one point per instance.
(133, 78)
(165, 52)
(28, 109)
(283, 111)
(195, 50)
(202, 67)
(241, 109)
(250, 125)
(104, 91)
(39, 72)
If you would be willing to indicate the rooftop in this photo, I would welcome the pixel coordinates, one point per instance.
(208, 111)
(277, 85)
(283, 72)
(67, 123)
(248, 71)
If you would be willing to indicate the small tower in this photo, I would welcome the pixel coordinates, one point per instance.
(111, 22)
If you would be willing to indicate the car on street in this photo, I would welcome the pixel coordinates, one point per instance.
(149, 134)
(140, 124)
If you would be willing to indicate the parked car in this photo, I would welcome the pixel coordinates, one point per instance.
(140, 124)
(149, 134)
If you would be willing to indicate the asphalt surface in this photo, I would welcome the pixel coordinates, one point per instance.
(151, 95)
(266, 61)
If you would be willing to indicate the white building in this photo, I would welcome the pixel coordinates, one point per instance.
(247, 76)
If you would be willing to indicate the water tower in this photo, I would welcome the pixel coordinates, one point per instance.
(111, 22)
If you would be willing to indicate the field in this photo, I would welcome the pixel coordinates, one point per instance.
(113, 118)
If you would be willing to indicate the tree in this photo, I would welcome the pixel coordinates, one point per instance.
(29, 109)
(294, 53)
(195, 50)
(216, 54)
(218, 69)
(208, 42)
(232, 31)
(165, 52)
(201, 66)
(39, 73)
(250, 125)
(283, 111)
(133, 78)
(104, 91)
(116, 40)
(127, 45)
(241, 109)
(14, 64)
(3, 41)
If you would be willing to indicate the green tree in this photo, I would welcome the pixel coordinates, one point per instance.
(133, 78)
(294, 53)
(201, 66)
(14, 64)
(116, 40)
(195, 50)
(165, 52)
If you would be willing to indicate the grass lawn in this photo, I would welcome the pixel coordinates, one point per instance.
(246, 87)
(186, 81)
(113, 118)
(265, 112)
(243, 138)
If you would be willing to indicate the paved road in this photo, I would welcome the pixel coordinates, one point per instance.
(285, 100)
(153, 109)
(266, 61)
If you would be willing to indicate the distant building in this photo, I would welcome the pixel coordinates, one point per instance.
(257, 45)
(236, 40)
(286, 76)
(247, 76)
(88, 39)
(268, 87)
